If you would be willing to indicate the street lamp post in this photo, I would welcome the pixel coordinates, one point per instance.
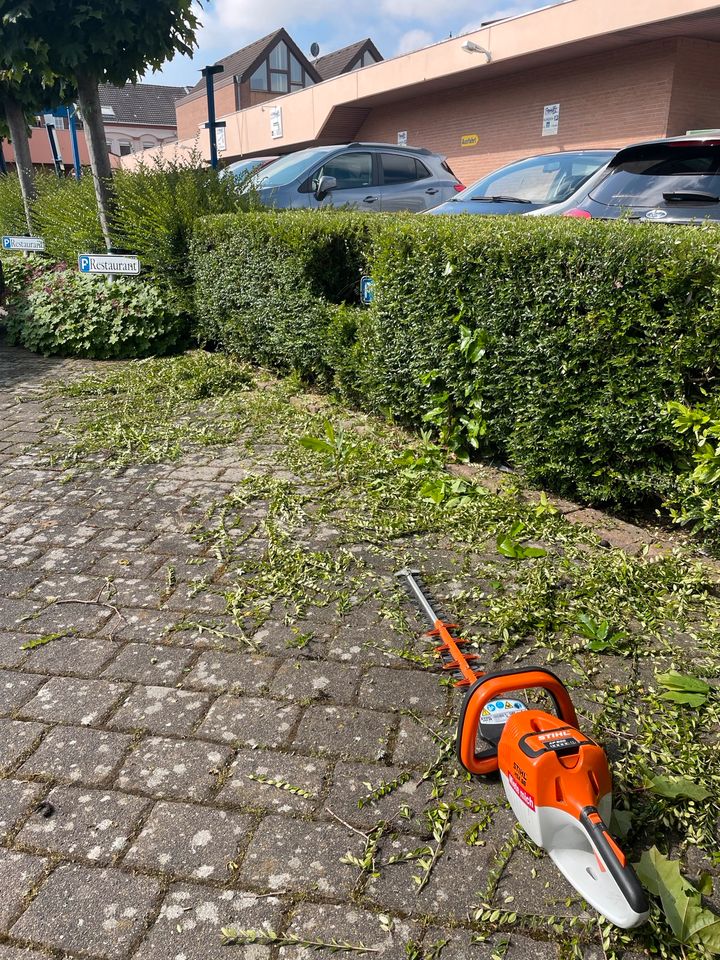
(209, 73)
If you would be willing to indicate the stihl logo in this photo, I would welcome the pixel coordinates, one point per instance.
(555, 735)
(523, 794)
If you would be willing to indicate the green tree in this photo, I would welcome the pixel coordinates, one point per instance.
(89, 42)
(22, 95)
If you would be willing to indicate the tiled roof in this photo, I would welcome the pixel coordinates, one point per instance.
(142, 103)
(337, 62)
(238, 63)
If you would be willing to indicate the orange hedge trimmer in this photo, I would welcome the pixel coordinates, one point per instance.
(557, 780)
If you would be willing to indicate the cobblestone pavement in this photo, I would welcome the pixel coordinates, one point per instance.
(141, 800)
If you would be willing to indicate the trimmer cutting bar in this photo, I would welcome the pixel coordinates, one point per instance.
(449, 652)
(417, 592)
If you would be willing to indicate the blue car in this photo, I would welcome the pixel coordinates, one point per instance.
(529, 184)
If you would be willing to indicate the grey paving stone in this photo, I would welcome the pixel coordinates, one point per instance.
(62, 560)
(263, 723)
(20, 953)
(415, 744)
(91, 824)
(19, 872)
(189, 841)
(16, 689)
(350, 787)
(537, 887)
(510, 946)
(89, 910)
(72, 754)
(162, 710)
(348, 923)
(231, 672)
(13, 555)
(136, 623)
(17, 799)
(192, 597)
(176, 769)
(137, 592)
(11, 652)
(287, 854)
(120, 541)
(348, 732)
(68, 587)
(18, 583)
(149, 663)
(457, 882)
(386, 689)
(17, 739)
(306, 773)
(72, 655)
(70, 700)
(130, 563)
(306, 680)
(192, 916)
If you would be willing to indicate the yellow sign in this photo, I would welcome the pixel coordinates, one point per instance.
(469, 140)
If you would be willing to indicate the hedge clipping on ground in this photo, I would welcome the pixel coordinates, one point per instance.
(553, 344)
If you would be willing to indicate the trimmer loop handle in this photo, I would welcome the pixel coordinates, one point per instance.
(493, 685)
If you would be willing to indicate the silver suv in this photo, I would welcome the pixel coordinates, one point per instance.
(363, 176)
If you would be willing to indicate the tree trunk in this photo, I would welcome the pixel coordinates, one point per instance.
(89, 100)
(17, 124)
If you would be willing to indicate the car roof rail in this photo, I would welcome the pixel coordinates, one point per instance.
(393, 146)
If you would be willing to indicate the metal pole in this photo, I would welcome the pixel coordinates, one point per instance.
(50, 127)
(209, 74)
(72, 123)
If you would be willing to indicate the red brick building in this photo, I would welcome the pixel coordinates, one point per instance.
(608, 74)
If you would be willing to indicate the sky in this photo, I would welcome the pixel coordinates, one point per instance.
(396, 26)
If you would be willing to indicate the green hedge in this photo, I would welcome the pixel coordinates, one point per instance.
(275, 289)
(551, 343)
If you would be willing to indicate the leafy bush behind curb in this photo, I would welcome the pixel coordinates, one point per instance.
(65, 216)
(64, 313)
(551, 343)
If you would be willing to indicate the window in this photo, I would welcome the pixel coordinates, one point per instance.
(259, 81)
(280, 73)
(401, 169)
(353, 171)
(125, 148)
(147, 144)
(107, 111)
(366, 60)
(278, 82)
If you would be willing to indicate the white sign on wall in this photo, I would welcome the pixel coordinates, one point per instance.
(402, 138)
(276, 126)
(220, 139)
(551, 120)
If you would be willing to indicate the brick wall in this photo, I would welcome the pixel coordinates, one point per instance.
(695, 103)
(605, 100)
(191, 114)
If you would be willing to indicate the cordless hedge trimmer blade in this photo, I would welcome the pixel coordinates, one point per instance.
(454, 661)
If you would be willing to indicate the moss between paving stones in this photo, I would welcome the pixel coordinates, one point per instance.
(334, 518)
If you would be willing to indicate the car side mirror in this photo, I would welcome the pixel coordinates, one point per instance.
(325, 185)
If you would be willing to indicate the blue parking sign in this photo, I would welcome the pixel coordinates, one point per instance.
(367, 290)
(84, 264)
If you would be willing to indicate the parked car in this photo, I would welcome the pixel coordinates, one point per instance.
(529, 184)
(243, 168)
(364, 176)
(673, 181)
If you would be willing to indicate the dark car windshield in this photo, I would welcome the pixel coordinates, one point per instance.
(283, 171)
(541, 180)
(662, 175)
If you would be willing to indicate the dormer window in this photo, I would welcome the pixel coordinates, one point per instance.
(282, 72)
(366, 60)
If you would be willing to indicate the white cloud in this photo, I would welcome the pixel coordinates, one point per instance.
(414, 40)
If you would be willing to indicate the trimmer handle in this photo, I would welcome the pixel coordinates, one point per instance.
(613, 860)
(494, 685)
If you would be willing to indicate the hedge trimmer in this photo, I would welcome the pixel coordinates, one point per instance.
(556, 778)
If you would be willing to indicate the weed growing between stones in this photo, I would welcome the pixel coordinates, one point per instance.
(325, 527)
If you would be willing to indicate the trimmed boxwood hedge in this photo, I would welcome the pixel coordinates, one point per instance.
(552, 343)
